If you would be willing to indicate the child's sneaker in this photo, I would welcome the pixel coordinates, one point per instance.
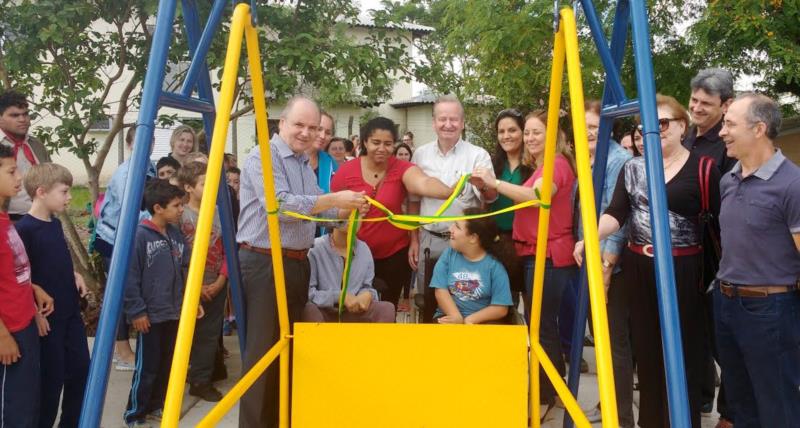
(156, 415)
(138, 424)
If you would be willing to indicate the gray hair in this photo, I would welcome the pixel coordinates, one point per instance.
(448, 98)
(763, 109)
(715, 81)
(294, 100)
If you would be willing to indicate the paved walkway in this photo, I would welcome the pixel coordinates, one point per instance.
(194, 410)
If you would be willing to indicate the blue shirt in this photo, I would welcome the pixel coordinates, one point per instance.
(473, 285)
(327, 267)
(51, 264)
(111, 209)
(758, 216)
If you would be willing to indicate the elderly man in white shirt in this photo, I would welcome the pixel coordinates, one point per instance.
(447, 158)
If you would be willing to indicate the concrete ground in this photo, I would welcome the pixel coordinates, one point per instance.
(194, 409)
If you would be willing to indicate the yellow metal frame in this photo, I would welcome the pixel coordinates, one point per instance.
(241, 27)
(566, 49)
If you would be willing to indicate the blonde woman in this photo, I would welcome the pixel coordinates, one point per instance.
(182, 142)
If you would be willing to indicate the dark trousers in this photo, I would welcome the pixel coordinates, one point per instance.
(758, 342)
(710, 380)
(105, 249)
(566, 315)
(394, 271)
(150, 378)
(435, 246)
(639, 274)
(64, 365)
(619, 326)
(259, 405)
(556, 280)
(206, 340)
(20, 382)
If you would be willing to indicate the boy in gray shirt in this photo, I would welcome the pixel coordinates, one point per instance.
(327, 258)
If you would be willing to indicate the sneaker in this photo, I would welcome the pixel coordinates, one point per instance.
(124, 366)
(594, 414)
(138, 424)
(156, 415)
(707, 408)
(206, 392)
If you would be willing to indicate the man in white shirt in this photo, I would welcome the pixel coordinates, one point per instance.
(447, 158)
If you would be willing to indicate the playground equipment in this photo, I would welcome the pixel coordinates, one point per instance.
(318, 392)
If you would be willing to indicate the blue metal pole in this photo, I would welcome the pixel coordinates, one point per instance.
(613, 80)
(618, 38)
(665, 274)
(223, 196)
(97, 382)
(200, 50)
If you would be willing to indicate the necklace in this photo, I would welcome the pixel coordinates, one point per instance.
(674, 160)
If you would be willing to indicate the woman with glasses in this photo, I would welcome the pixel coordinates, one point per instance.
(629, 206)
(508, 165)
(560, 269)
(388, 180)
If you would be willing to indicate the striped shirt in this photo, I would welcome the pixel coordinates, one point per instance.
(296, 190)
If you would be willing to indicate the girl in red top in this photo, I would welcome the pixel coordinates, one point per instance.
(387, 180)
(560, 267)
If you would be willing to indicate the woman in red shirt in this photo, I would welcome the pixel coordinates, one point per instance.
(387, 180)
(560, 267)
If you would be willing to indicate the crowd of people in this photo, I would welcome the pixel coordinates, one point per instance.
(734, 217)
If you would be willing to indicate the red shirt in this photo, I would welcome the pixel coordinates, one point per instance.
(382, 238)
(17, 307)
(560, 240)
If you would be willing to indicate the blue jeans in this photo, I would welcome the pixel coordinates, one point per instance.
(758, 341)
(556, 280)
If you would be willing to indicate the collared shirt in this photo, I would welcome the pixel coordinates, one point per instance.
(111, 207)
(759, 215)
(327, 267)
(448, 168)
(296, 190)
(21, 202)
(710, 144)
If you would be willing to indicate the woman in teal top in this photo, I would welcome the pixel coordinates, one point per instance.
(508, 166)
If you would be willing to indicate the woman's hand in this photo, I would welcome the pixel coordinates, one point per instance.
(483, 178)
(577, 253)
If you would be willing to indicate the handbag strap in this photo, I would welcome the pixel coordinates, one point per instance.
(704, 173)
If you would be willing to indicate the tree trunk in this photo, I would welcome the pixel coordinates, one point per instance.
(81, 259)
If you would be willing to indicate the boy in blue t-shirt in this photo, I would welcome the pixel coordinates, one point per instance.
(64, 349)
(471, 285)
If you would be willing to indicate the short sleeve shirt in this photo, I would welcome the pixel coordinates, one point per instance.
(382, 238)
(758, 217)
(17, 306)
(473, 285)
(560, 239)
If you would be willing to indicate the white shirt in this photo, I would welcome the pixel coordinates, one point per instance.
(448, 167)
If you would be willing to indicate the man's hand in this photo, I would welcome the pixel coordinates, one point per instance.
(9, 351)
(351, 200)
(44, 302)
(141, 324)
(42, 325)
(449, 319)
(80, 284)
(413, 253)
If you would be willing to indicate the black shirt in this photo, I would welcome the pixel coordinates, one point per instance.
(710, 144)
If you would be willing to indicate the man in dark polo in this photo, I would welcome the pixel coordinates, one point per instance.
(757, 302)
(296, 189)
(712, 93)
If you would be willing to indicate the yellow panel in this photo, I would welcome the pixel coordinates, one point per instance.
(409, 376)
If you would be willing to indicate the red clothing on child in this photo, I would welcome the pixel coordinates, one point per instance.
(17, 307)
(382, 238)
(560, 240)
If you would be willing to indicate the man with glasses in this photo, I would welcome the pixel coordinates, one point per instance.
(447, 158)
(756, 298)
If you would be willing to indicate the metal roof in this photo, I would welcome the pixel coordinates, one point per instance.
(365, 19)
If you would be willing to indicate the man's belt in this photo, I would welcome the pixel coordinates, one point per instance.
(292, 254)
(735, 290)
(440, 235)
(647, 250)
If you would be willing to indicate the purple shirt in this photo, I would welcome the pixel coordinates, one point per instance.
(758, 216)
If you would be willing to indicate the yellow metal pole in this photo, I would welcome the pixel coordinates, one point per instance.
(262, 131)
(194, 282)
(227, 402)
(594, 272)
(570, 403)
(546, 197)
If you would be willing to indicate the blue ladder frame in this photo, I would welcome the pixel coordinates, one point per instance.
(152, 98)
(616, 105)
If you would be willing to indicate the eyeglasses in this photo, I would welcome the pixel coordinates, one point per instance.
(663, 124)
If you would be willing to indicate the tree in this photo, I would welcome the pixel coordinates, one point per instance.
(72, 56)
(754, 37)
